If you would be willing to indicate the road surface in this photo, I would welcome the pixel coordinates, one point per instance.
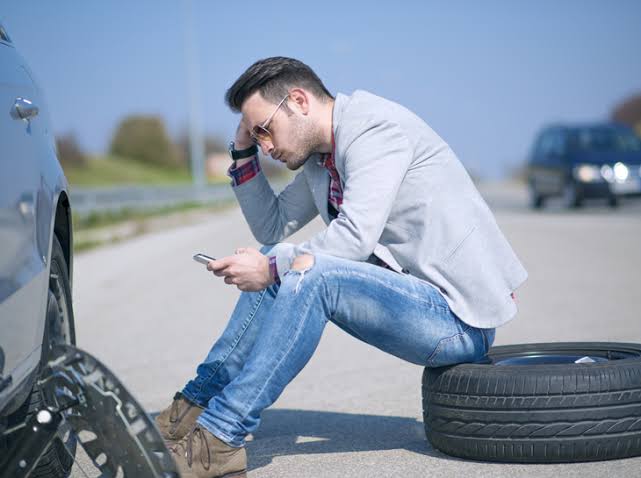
(151, 313)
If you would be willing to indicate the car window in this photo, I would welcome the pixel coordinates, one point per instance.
(561, 144)
(551, 147)
(548, 144)
(538, 149)
(556, 144)
(605, 140)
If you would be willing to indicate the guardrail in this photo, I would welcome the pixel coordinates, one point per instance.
(87, 200)
(102, 199)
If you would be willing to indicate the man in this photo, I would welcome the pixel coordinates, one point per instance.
(411, 262)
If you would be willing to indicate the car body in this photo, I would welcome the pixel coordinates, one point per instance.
(585, 161)
(35, 225)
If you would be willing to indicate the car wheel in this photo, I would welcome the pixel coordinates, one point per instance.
(571, 197)
(538, 403)
(537, 201)
(58, 458)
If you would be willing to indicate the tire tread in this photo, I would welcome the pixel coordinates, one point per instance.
(534, 414)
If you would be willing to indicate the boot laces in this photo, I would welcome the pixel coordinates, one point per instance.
(187, 444)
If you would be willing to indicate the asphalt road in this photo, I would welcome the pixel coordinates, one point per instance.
(151, 313)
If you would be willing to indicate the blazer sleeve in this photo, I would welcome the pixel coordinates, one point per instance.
(272, 217)
(376, 162)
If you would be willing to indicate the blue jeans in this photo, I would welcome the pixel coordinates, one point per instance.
(273, 333)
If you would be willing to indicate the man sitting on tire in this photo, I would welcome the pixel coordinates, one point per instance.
(411, 261)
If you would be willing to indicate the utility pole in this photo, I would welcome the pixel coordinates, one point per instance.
(196, 142)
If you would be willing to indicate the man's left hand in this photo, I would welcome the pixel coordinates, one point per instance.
(247, 269)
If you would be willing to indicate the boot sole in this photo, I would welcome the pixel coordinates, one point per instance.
(235, 474)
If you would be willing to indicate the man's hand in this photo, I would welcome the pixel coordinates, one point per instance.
(243, 138)
(243, 141)
(248, 269)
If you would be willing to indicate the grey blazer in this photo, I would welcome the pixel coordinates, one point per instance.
(406, 198)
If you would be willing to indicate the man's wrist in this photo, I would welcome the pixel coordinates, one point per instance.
(239, 162)
(238, 151)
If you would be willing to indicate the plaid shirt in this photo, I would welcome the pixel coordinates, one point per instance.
(335, 198)
(244, 173)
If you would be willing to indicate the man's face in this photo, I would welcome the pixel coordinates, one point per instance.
(293, 137)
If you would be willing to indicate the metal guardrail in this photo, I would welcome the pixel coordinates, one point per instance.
(87, 200)
(84, 201)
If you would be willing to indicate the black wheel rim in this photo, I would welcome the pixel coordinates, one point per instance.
(58, 319)
(550, 359)
(560, 356)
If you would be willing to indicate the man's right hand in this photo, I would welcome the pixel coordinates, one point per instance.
(243, 141)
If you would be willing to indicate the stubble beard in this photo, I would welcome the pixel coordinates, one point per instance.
(308, 142)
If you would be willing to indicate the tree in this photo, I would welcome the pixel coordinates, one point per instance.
(70, 153)
(629, 112)
(145, 139)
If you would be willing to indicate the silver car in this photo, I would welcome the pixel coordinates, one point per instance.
(35, 253)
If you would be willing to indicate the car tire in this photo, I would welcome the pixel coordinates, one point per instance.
(57, 460)
(523, 404)
(572, 199)
(536, 200)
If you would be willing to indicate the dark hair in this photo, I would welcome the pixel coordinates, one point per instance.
(273, 77)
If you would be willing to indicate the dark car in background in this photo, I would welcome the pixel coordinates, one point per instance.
(35, 256)
(582, 162)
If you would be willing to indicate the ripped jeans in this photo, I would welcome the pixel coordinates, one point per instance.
(273, 333)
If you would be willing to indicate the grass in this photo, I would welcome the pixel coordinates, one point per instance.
(99, 228)
(109, 218)
(116, 171)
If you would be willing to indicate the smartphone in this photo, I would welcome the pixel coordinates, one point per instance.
(203, 258)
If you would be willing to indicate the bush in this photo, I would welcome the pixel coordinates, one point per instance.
(144, 138)
(69, 152)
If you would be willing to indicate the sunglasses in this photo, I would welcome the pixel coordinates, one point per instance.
(260, 131)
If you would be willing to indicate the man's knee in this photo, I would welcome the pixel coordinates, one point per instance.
(303, 262)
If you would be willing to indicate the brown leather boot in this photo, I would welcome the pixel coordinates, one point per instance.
(177, 419)
(202, 455)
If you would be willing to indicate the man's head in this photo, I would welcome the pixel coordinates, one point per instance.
(285, 106)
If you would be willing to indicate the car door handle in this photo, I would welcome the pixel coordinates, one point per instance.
(24, 109)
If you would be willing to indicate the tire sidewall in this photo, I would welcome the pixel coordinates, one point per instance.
(55, 462)
(559, 412)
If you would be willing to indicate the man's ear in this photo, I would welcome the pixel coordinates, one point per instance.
(300, 98)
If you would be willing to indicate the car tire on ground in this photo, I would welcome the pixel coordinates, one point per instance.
(572, 199)
(531, 403)
(537, 201)
(57, 460)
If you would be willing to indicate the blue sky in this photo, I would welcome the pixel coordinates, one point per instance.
(485, 75)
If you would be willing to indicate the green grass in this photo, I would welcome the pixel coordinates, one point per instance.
(109, 218)
(84, 225)
(117, 171)
(113, 170)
